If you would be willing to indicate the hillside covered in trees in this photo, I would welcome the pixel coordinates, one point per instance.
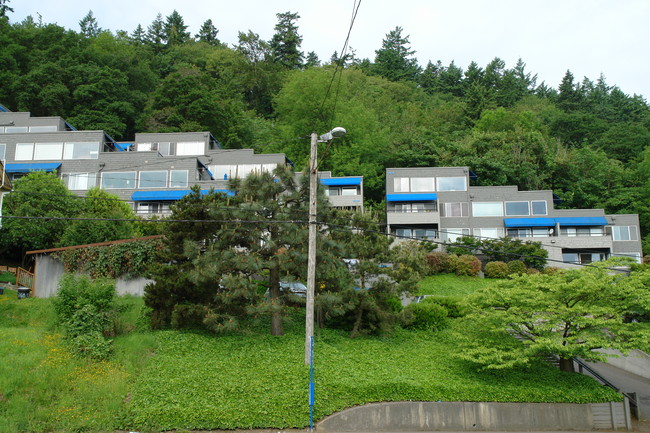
(586, 140)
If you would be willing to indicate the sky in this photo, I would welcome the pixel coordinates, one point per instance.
(587, 37)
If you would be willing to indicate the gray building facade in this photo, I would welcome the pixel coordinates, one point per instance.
(438, 203)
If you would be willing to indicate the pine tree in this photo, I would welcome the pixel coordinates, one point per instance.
(208, 33)
(175, 29)
(88, 25)
(312, 60)
(4, 8)
(393, 60)
(138, 36)
(156, 33)
(285, 44)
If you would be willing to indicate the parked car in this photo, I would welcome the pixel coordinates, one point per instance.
(295, 288)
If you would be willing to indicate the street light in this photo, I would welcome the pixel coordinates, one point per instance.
(311, 258)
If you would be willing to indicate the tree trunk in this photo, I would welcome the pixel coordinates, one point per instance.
(567, 365)
(357, 321)
(274, 291)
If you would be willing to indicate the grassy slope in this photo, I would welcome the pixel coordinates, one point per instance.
(199, 381)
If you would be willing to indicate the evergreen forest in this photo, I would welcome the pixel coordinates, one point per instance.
(583, 138)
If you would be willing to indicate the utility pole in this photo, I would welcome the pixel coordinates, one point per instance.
(311, 258)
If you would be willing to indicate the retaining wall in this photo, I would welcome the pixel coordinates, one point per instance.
(467, 416)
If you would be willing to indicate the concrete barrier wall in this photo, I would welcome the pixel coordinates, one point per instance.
(637, 362)
(465, 416)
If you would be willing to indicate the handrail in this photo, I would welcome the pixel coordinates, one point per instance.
(630, 395)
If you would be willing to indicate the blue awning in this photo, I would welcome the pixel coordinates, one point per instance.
(32, 166)
(411, 197)
(581, 221)
(123, 147)
(529, 222)
(338, 181)
(550, 222)
(170, 195)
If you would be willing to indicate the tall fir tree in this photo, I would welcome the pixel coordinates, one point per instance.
(208, 33)
(88, 25)
(285, 44)
(394, 59)
(175, 29)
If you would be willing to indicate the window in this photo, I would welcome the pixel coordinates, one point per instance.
(48, 151)
(406, 233)
(570, 258)
(539, 207)
(190, 148)
(165, 148)
(15, 129)
(488, 233)
(24, 151)
(581, 231)
(81, 181)
(49, 128)
(517, 208)
(423, 184)
(178, 179)
(452, 184)
(144, 147)
(116, 180)
(401, 184)
(349, 191)
(426, 234)
(519, 233)
(484, 209)
(81, 151)
(624, 233)
(452, 235)
(152, 207)
(332, 191)
(153, 179)
(456, 209)
(3, 147)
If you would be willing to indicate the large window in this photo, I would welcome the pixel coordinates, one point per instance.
(452, 235)
(487, 209)
(15, 129)
(48, 151)
(152, 207)
(582, 231)
(456, 210)
(153, 179)
(517, 208)
(527, 232)
(423, 184)
(81, 151)
(178, 179)
(24, 151)
(452, 184)
(634, 256)
(624, 233)
(539, 207)
(48, 128)
(424, 234)
(491, 233)
(116, 180)
(401, 184)
(190, 148)
(81, 181)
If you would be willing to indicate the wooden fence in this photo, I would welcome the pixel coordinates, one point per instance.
(26, 279)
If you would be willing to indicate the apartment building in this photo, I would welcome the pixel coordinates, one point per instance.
(151, 172)
(438, 203)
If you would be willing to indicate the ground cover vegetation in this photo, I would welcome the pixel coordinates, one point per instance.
(583, 138)
(175, 379)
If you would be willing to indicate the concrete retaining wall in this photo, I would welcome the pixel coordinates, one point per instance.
(637, 362)
(466, 416)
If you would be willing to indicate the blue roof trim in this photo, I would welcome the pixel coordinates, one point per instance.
(411, 197)
(337, 181)
(32, 166)
(216, 141)
(581, 221)
(72, 128)
(557, 199)
(170, 195)
(473, 176)
(4, 109)
(529, 222)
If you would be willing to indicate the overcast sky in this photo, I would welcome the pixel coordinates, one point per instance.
(589, 37)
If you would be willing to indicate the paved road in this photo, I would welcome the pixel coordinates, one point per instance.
(627, 382)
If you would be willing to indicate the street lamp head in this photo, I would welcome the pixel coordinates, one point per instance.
(334, 133)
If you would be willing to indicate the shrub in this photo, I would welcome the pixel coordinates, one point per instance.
(455, 306)
(466, 265)
(425, 316)
(86, 310)
(496, 270)
(516, 267)
(438, 263)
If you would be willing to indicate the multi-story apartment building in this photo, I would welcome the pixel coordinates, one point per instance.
(151, 172)
(439, 204)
